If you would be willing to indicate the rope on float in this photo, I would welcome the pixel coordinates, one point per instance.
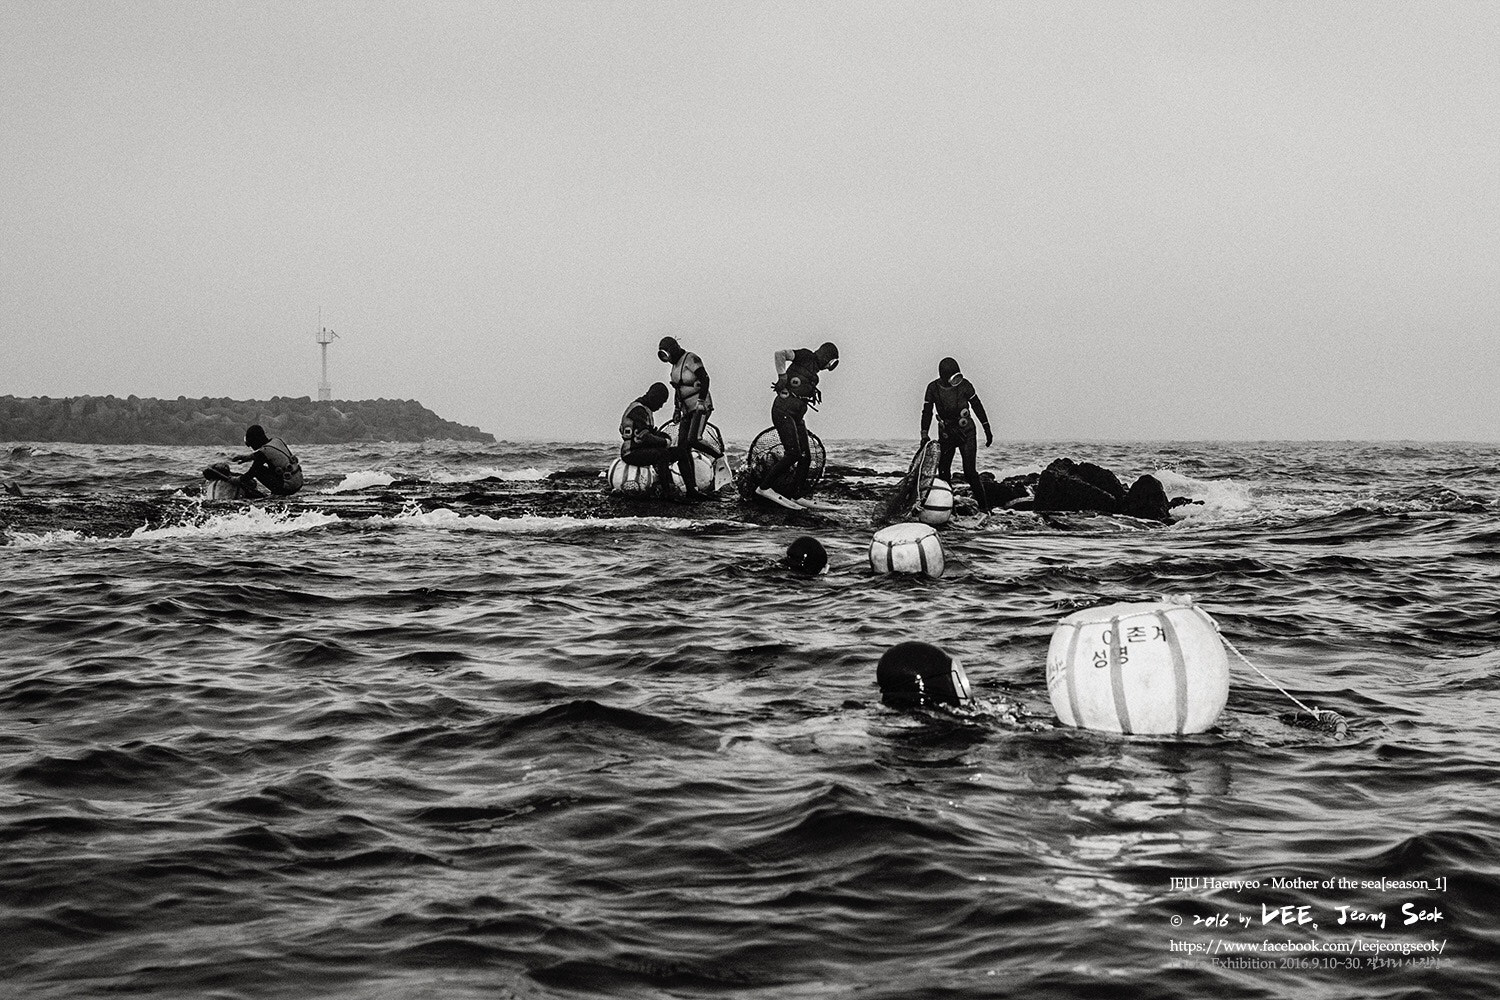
(1314, 712)
(1186, 601)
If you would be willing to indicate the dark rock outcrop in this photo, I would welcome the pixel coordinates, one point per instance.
(1066, 485)
(1069, 485)
(1147, 499)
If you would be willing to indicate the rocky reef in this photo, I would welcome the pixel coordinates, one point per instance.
(133, 420)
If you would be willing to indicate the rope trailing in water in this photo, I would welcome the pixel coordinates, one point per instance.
(1321, 716)
(1314, 712)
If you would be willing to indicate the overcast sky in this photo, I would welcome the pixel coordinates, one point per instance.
(1176, 220)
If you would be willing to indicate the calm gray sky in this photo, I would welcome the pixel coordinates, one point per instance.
(1126, 220)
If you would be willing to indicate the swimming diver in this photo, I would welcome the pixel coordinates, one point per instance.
(806, 556)
(642, 444)
(796, 389)
(951, 395)
(692, 408)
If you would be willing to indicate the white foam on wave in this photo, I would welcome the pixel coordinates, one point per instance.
(252, 521)
(43, 540)
(363, 479)
(1219, 497)
(446, 519)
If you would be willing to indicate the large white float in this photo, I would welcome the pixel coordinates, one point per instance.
(937, 504)
(1153, 668)
(908, 547)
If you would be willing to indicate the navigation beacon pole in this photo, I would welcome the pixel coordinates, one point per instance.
(325, 337)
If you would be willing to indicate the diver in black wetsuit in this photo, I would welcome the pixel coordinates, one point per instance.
(272, 465)
(641, 443)
(692, 409)
(796, 389)
(952, 395)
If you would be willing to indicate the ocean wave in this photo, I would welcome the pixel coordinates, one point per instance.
(41, 540)
(251, 521)
(361, 480)
(367, 748)
(1214, 499)
(447, 519)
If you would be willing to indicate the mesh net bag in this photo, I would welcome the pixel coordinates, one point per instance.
(912, 487)
(766, 451)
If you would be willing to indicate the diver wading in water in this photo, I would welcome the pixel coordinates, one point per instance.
(796, 389)
(692, 409)
(951, 396)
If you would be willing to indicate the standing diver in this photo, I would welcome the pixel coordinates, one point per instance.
(951, 395)
(691, 411)
(641, 443)
(796, 389)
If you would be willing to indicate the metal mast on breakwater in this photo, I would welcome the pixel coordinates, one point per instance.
(325, 337)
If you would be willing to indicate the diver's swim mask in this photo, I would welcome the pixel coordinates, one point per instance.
(664, 355)
(833, 364)
(955, 378)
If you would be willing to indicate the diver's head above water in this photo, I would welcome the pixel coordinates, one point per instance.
(807, 557)
(914, 674)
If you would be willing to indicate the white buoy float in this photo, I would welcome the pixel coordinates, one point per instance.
(1150, 668)
(710, 475)
(937, 505)
(907, 548)
(633, 480)
(219, 483)
(220, 489)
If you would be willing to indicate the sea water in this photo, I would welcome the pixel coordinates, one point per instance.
(266, 753)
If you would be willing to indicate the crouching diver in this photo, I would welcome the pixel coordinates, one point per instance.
(641, 443)
(272, 465)
(951, 395)
(692, 409)
(796, 389)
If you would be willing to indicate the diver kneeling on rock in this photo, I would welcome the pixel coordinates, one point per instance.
(642, 444)
(272, 465)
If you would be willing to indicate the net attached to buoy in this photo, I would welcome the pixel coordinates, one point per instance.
(908, 492)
